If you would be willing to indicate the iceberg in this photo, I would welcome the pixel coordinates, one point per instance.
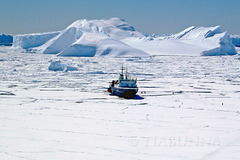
(26, 41)
(236, 40)
(6, 40)
(93, 38)
(115, 37)
(59, 66)
(193, 41)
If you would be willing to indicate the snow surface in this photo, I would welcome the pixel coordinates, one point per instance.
(121, 39)
(187, 108)
(114, 27)
(91, 44)
(60, 42)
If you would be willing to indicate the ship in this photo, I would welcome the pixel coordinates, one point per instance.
(125, 86)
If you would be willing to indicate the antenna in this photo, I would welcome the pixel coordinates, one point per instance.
(122, 69)
(126, 75)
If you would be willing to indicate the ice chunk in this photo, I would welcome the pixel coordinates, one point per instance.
(58, 66)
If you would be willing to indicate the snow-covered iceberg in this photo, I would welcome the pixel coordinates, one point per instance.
(85, 38)
(193, 41)
(115, 37)
(92, 44)
(213, 39)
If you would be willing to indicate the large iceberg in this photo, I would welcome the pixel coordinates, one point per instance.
(193, 41)
(93, 38)
(115, 37)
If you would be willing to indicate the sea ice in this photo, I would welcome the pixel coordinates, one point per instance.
(189, 108)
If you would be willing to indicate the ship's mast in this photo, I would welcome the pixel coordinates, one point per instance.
(122, 69)
(121, 75)
(126, 76)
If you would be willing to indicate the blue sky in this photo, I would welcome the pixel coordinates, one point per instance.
(148, 16)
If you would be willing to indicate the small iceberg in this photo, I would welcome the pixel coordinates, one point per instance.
(59, 66)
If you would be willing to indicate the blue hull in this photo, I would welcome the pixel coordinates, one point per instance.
(124, 92)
